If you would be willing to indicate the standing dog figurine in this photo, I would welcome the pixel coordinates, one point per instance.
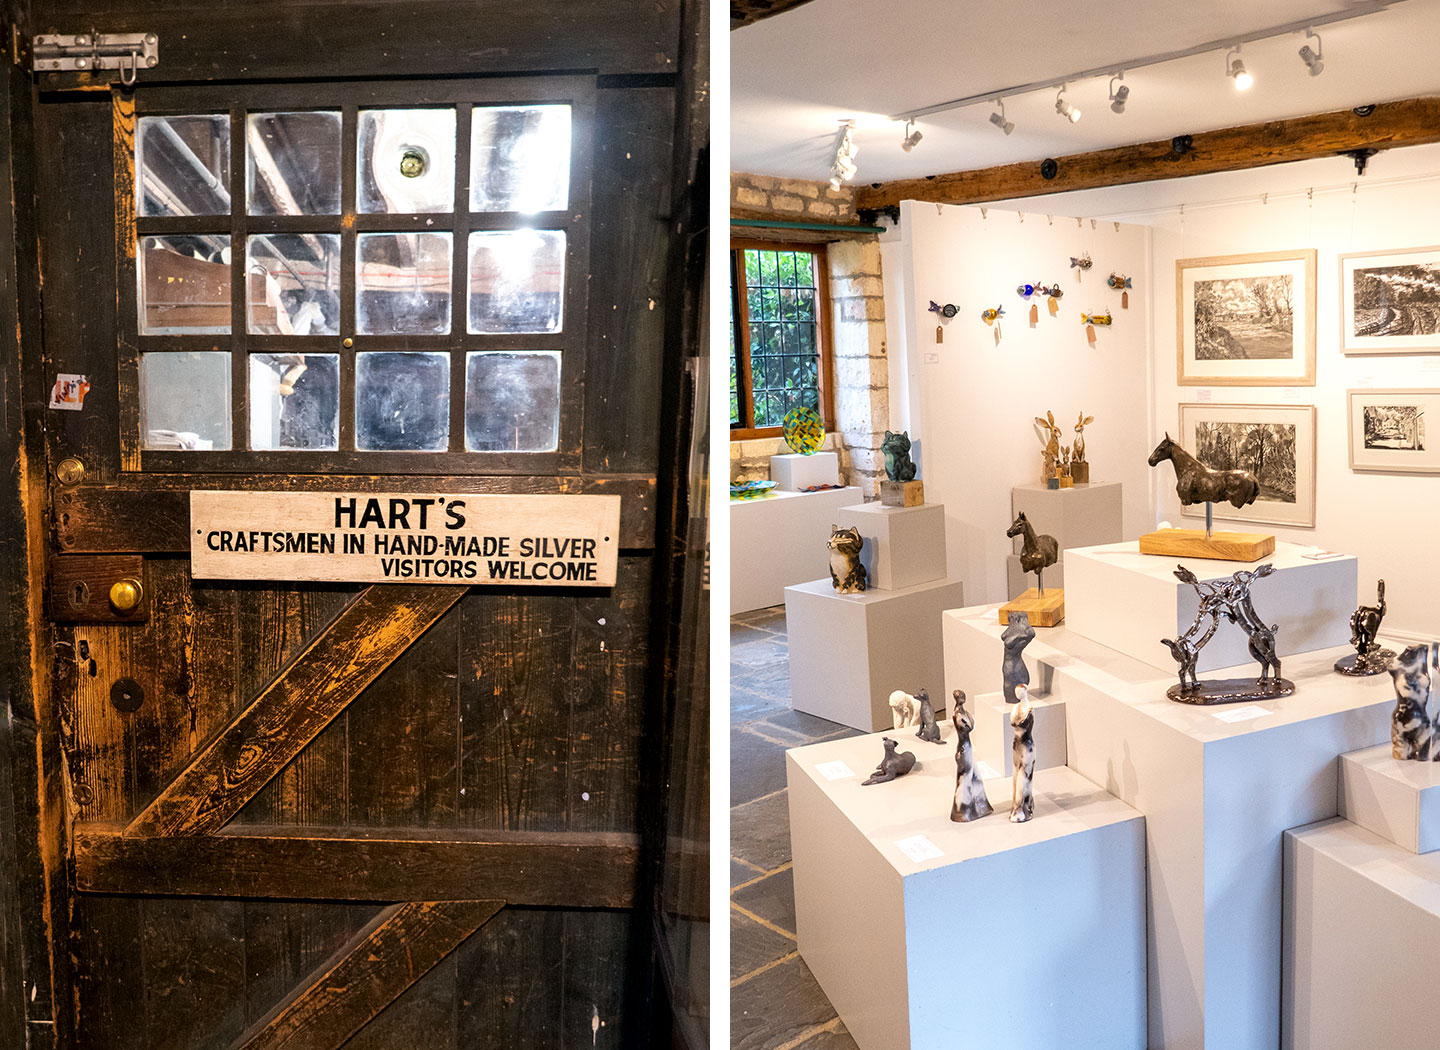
(846, 573)
(1022, 798)
(891, 766)
(929, 730)
(904, 711)
(1411, 732)
(970, 801)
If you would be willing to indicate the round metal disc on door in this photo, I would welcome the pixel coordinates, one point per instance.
(126, 695)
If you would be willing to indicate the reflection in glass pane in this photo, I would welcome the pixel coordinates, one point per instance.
(404, 283)
(517, 281)
(406, 160)
(183, 165)
(294, 401)
(519, 158)
(402, 402)
(184, 284)
(293, 284)
(293, 163)
(185, 401)
(512, 402)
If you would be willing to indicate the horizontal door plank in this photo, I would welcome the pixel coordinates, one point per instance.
(398, 947)
(560, 869)
(308, 693)
(150, 519)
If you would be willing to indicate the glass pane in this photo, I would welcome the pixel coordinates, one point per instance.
(184, 285)
(404, 284)
(517, 281)
(519, 158)
(185, 401)
(402, 401)
(512, 402)
(406, 160)
(293, 285)
(183, 165)
(294, 401)
(293, 163)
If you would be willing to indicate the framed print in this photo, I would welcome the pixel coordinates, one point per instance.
(1387, 431)
(1390, 302)
(1246, 320)
(1276, 443)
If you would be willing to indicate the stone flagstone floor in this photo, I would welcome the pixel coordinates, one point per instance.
(774, 1002)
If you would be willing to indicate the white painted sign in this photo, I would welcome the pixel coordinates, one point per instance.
(918, 848)
(836, 770)
(400, 537)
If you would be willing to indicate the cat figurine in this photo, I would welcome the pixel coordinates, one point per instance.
(846, 572)
(898, 464)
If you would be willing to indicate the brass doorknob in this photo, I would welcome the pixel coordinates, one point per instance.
(125, 594)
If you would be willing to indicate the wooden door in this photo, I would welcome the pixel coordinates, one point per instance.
(273, 814)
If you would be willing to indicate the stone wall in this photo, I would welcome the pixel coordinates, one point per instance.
(795, 200)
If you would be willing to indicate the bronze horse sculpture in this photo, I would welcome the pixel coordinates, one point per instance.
(1036, 552)
(1197, 483)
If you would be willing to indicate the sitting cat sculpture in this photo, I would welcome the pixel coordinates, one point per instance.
(846, 572)
(898, 464)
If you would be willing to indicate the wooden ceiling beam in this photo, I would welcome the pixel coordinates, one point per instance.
(1413, 122)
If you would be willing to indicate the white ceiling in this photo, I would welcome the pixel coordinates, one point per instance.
(796, 75)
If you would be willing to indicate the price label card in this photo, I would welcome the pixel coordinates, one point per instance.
(918, 848)
(836, 770)
(1241, 714)
(1322, 555)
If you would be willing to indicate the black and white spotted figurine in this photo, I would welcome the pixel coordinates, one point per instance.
(1411, 731)
(970, 801)
(1022, 719)
(892, 765)
(929, 731)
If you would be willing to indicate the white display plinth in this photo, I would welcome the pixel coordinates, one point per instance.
(849, 652)
(780, 540)
(1217, 796)
(1362, 937)
(1129, 601)
(904, 546)
(793, 472)
(1015, 937)
(1397, 799)
(993, 736)
(1082, 516)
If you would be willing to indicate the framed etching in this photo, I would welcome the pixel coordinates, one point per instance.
(1246, 320)
(1390, 302)
(1387, 431)
(1276, 443)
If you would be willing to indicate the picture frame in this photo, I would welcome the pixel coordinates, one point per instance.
(1373, 285)
(1385, 437)
(1246, 320)
(1236, 436)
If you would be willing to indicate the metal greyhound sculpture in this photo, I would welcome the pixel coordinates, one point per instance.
(1197, 483)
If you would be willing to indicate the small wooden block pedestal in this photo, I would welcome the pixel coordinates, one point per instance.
(1044, 610)
(1222, 546)
(902, 493)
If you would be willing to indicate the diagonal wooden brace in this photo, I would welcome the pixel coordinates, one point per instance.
(307, 694)
(398, 947)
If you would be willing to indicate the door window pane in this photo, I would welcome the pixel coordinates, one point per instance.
(519, 158)
(294, 401)
(293, 163)
(406, 160)
(517, 281)
(184, 284)
(292, 284)
(402, 402)
(185, 401)
(182, 165)
(404, 285)
(512, 402)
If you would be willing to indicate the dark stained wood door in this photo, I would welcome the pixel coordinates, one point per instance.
(297, 815)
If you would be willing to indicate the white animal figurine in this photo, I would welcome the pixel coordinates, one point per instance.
(904, 709)
(1022, 719)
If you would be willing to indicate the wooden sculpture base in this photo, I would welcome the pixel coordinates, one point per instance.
(1044, 610)
(902, 493)
(1377, 661)
(1222, 546)
(1231, 691)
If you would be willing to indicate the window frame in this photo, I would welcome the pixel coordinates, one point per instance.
(740, 313)
(348, 98)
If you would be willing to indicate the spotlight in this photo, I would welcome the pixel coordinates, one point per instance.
(1118, 96)
(1312, 56)
(998, 118)
(1064, 108)
(912, 136)
(1235, 70)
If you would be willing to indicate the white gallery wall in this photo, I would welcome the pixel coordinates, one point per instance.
(970, 403)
